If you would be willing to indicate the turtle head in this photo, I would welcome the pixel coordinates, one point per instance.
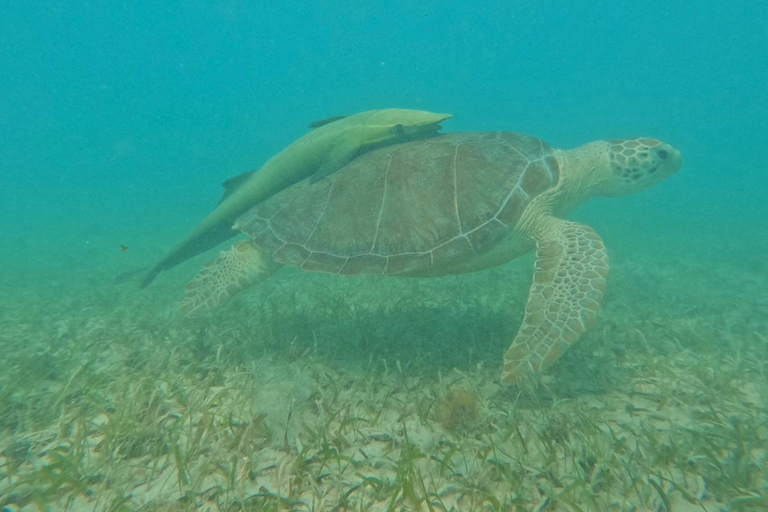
(627, 166)
(393, 125)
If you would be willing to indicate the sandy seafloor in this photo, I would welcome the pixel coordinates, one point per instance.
(320, 393)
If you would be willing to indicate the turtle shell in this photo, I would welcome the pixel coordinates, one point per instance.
(406, 208)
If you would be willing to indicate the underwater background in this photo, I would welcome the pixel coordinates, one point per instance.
(120, 120)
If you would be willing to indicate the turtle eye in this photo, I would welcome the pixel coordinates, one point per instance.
(662, 154)
(399, 129)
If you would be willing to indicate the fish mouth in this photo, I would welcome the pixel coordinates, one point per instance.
(439, 118)
(425, 131)
(433, 120)
(432, 126)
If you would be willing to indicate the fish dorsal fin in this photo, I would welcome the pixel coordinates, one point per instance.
(234, 183)
(323, 122)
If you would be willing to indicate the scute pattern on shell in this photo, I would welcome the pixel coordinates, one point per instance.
(407, 207)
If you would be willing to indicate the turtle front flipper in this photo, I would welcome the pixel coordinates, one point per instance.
(567, 290)
(233, 270)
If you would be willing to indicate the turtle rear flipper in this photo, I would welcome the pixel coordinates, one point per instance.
(233, 270)
(567, 290)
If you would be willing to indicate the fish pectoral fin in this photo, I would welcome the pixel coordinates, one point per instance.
(234, 183)
(336, 158)
(323, 122)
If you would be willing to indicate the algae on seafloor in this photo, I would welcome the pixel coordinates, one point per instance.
(382, 395)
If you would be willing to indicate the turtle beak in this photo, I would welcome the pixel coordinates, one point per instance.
(669, 156)
(677, 159)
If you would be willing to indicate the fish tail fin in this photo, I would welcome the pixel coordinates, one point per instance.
(128, 276)
(150, 276)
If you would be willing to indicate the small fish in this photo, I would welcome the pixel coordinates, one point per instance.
(123, 248)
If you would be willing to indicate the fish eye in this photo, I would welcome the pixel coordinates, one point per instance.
(399, 129)
(663, 154)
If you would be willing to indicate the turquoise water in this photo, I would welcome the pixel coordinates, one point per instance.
(118, 115)
(120, 120)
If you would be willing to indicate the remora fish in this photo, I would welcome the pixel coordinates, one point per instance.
(326, 149)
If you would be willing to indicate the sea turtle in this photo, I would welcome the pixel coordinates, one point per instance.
(452, 204)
